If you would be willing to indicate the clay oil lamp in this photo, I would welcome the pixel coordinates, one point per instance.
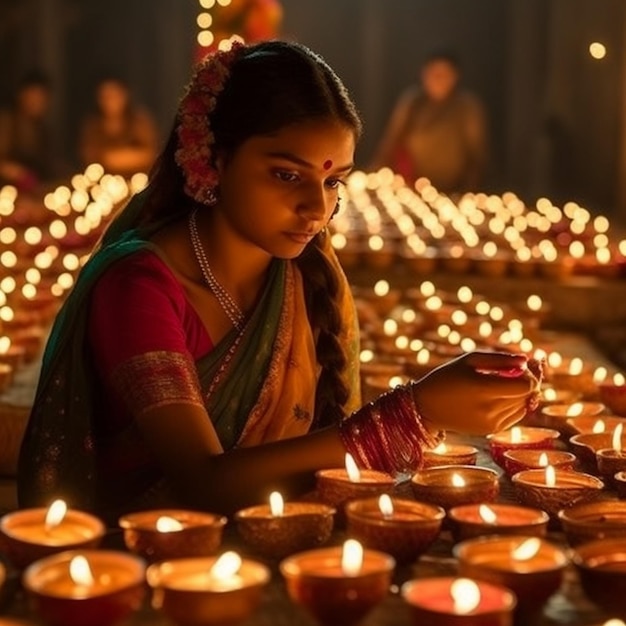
(335, 487)
(74, 588)
(588, 521)
(555, 415)
(585, 425)
(619, 480)
(531, 567)
(280, 528)
(338, 585)
(612, 460)
(30, 534)
(447, 601)
(452, 485)
(601, 568)
(477, 520)
(403, 528)
(552, 490)
(207, 591)
(613, 394)
(586, 446)
(520, 438)
(450, 454)
(162, 534)
(519, 460)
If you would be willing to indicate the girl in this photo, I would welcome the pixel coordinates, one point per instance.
(208, 353)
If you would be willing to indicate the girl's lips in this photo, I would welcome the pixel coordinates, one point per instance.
(301, 237)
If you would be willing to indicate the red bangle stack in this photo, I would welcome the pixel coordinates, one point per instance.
(388, 434)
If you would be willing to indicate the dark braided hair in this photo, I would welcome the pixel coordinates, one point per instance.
(272, 85)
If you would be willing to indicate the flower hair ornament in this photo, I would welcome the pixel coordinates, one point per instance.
(195, 137)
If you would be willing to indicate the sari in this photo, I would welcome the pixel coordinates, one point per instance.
(257, 385)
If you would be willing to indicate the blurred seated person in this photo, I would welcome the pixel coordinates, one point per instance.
(25, 143)
(437, 130)
(119, 135)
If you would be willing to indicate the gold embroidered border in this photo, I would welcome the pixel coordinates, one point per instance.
(156, 379)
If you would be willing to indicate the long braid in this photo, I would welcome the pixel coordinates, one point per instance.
(321, 288)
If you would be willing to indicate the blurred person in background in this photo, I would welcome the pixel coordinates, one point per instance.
(437, 130)
(119, 134)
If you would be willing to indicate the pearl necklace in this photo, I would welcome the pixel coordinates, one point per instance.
(229, 306)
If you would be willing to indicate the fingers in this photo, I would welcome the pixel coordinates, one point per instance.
(497, 361)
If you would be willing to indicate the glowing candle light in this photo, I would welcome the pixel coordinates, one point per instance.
(386, 506)
(381, 288)
(527, 549)
(351, 468)
(617, 438)
(550, 476)
(277, 504)
(465, 595)
(352, 557)
(487, 514)
(574, 410)
(457, 480)
(598, 427)
(167, 524)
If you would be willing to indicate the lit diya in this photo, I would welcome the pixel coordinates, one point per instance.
(207, 591)
(172, 533)
(453, 485)
(613, 394)
(450, 454)
(338, 585)
(447, 601)
(518, 460)
(280, 528)
(588, 521)
(477, 520)
(552, 490)
(531, 567)
(30, 534)
(518, 438)
(403, 528)
(612, 460)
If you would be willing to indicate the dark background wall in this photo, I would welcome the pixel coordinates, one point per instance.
(556, 115)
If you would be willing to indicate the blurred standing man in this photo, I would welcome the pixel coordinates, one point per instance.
(437, 130)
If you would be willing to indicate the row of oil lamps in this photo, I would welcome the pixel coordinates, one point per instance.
(507, 569)
(386, 221)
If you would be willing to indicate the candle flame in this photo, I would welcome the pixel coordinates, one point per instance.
(226, 566)
(80, 572)
(381, 288)
(465, 595)
(574, 410)
(619, 379)
(555, 359)
(543, 460)
(487, 514)
(516, 434)
(576, 366)
(549, 395)
(351, 557)
(550, 476)
(598, 427)
(167, 524)
(617, 438)
(385, 505)
(527, 549)
(614, 622)
(458, 480)
(353, 471)
(442, 448)
(534, 302)
(55, 514)
(277, 504)
(600, 374)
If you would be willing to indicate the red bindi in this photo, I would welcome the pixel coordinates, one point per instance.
(327, 164)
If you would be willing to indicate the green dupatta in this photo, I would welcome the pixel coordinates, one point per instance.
(58, 453)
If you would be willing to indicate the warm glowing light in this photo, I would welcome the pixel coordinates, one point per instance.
(351, 468)
(226, 566)
(619, 379)
(600, 374)
(465, 595)
(442, 448)
(534, 303)
(55, 514)
(390, 327)
(385, 505)
(487, 514)
(80, 572)
(366, 356)
(555, 359)
(550, 476)
(277, 504)
(205, 38)
(598, 427)
(543, 460)
(464, 294)
(5, 344)
(427, 289)
(381, 288)
(576, 366)
(597, 50)
(516, 434)
(574, 410)
(617, 438)
(434, 303)
(458, 480)
(167, 524)
(527, 549)
(351, 557)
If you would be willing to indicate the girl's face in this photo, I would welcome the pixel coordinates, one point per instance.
(278, 191)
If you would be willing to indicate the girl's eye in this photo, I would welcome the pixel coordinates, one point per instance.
(334, 183)
(286, 176)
